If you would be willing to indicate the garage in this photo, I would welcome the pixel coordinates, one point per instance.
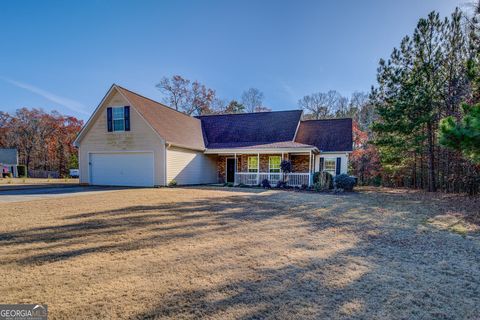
(134, 169)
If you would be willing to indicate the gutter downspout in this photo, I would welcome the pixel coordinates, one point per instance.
(167, 146)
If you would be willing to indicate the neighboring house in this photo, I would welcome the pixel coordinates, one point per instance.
(9, 161)
(131, 140)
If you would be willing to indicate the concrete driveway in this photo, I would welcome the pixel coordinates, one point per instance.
(50, 192)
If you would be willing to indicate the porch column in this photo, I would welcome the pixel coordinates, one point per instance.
(235, 170)
(258, 168)
(310, 170)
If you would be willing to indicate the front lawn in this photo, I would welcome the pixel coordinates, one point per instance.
(36, 181)
(226, 253)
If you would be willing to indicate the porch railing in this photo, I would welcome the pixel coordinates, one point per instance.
(293, 179)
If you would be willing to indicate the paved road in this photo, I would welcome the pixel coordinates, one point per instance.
(45, 193)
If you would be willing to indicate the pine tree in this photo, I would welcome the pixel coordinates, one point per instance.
(464, 135)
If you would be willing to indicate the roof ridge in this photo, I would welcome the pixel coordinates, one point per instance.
(346, 118)
(245, 113)
(161, 104)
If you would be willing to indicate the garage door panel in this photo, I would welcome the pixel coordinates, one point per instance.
(122, 169)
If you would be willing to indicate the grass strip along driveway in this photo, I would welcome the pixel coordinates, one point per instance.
(237, 253)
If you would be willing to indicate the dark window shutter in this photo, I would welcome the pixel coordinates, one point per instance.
(339, 163)
(126, 113)
(109, 120)
(321, 164)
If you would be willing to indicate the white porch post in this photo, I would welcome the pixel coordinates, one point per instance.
(235, 170)
(258, 168)
(310, 170)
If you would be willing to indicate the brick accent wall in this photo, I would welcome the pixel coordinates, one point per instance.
(221, 167)
(300, 163)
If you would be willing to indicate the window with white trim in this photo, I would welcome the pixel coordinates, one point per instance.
(274, 163)
(330, 165)
(252, 164)
(118, 118)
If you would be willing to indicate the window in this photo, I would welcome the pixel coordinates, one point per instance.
(118, 117)
(252, 164)
(274, 163)
(330, 165)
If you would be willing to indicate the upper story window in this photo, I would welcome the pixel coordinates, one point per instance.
(274, 163)
(118, 119)
(252, 164)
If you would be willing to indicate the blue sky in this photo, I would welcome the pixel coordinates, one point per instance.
(64, 55)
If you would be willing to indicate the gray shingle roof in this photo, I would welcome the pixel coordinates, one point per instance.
(327, 135)
(8, 156)
(249, 129)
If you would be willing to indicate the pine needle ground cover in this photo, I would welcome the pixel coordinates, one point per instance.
(185, 253)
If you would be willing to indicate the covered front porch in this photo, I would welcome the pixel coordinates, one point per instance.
(251, 168)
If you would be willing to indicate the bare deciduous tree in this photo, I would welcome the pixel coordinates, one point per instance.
(192, 98)
(252, 100)
(321, 105)
(176, 91)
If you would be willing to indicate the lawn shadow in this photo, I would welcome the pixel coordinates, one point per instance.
(387, 265)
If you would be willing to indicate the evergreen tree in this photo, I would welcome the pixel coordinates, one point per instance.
(464, 135)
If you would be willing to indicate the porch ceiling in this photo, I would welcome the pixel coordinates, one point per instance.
(264, 149)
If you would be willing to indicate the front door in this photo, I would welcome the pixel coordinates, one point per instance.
(231, 170)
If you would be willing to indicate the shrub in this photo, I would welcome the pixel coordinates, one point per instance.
(323, 181)
(286, 166)
(326, 180)
(22, 171)
(172, 183)
(266, 184)
(316, 176)
(281, 184)
(242, 185)
(304, 187)
(228, 184)
(345, 182)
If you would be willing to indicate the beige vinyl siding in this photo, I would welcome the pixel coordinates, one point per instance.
(190, 167)
(343, 155)
(141, 137)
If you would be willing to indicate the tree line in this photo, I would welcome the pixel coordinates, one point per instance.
(44, 141)
(421, 136)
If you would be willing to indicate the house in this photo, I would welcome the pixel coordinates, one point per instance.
(131, 140)
(8, 161)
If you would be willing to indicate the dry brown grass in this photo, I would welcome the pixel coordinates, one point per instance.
(234, 253)
(35, 181)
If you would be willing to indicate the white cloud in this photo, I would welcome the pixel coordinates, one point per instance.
(67, 103)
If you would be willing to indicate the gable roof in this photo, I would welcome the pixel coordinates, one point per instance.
(175, 127)
(326, 135)
(261, 130)
(250, 129)
(8, 156)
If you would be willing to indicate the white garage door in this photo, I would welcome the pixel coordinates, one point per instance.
(122, 169)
